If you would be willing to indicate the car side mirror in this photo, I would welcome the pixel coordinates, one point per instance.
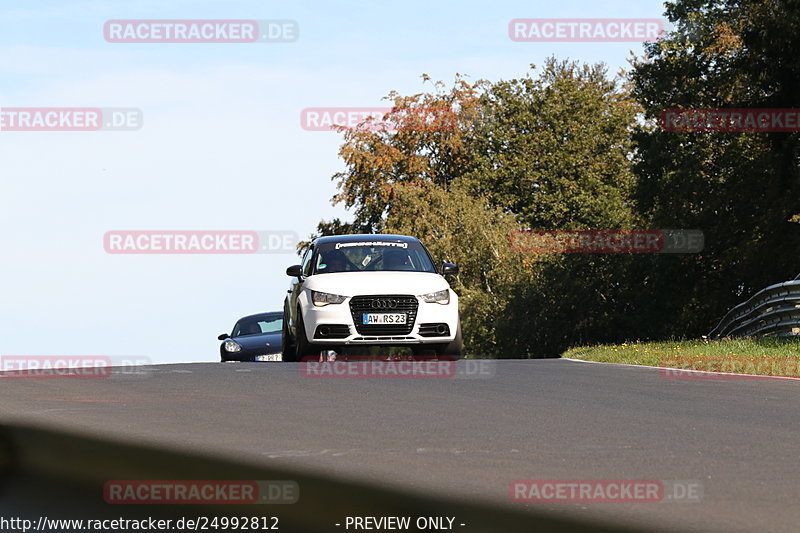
(449, 269)
(224, 336)
(294, 271)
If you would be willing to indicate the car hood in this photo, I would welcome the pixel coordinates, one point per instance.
(354, 283)
(253, 342)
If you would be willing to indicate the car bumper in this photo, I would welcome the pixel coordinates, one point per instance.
(433, 324)
(245, 355)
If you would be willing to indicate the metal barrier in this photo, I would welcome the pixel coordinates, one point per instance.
(774, 312)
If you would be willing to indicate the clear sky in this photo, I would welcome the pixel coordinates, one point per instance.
(221, 148)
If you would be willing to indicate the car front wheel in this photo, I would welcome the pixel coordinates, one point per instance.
(453, 349)
(303, 348)
(288, 350)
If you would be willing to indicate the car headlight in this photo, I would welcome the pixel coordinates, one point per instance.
(439, 297)
(232, 346)
(321, 299)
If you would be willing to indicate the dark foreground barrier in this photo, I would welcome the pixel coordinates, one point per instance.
(50, 475)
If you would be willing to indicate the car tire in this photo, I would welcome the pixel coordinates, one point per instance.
(453, 349)
(288, 349)
(303, 348)
(422, 350)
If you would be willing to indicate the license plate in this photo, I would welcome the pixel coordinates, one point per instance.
(383, 318)
(270, 357)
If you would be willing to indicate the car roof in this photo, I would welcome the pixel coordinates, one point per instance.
(268, 313)
(379, 237)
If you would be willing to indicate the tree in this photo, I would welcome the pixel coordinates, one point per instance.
(459, 228)
(554, 150)
(426, 145)
(739, 188)
(550, 152)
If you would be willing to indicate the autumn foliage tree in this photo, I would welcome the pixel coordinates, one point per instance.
(487, 159)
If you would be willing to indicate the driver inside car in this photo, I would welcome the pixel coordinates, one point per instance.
(396, 260)
(335, 261)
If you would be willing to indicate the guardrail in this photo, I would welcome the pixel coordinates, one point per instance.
(773, 311)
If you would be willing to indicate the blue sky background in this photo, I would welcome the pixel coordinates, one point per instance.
(221, 148)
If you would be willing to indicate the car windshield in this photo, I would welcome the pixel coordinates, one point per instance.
(373, 256)
(258, 325)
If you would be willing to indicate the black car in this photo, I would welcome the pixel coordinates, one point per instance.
(254, 338)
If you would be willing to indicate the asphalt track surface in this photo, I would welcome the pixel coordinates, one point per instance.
(466, 437)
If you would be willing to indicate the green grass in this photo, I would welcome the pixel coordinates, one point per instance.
(728, 355)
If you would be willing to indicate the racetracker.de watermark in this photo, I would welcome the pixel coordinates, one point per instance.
(657, 241)
(70, 366)
(377, 119)
(200, 242)
(200, 492)
(200, 31)
(729, 368)
(396, 367)
(70, 118)
(604, 491)
(599, 30)
(730, 120)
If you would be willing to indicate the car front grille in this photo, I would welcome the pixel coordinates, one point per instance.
(384, 303)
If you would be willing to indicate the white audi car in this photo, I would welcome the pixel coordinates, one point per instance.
(380, 290)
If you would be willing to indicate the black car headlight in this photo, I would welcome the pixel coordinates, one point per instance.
(232, 346)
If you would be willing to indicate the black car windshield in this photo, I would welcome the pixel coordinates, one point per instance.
(371, 256)
(258, 325)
